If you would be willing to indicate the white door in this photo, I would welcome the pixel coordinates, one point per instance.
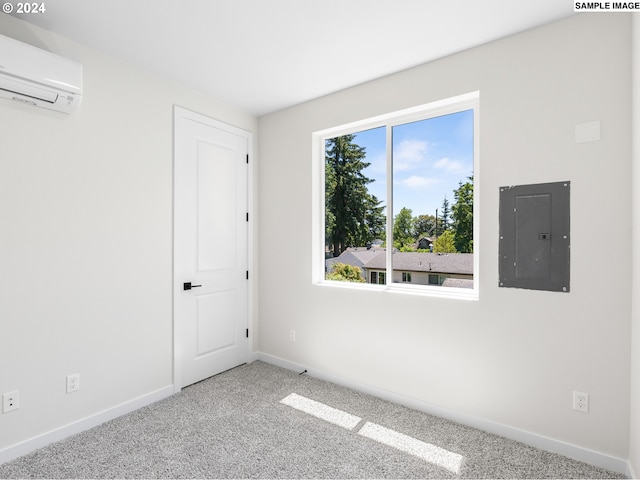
(210, 247)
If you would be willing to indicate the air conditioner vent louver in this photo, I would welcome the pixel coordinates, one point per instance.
(27, 89)
(37, 77)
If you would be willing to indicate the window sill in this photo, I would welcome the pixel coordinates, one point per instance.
(407, 289)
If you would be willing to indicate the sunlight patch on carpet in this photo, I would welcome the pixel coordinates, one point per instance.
(405, 443)
(426, 451)
(322, 411)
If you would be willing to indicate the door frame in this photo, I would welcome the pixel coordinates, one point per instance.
(175, 290)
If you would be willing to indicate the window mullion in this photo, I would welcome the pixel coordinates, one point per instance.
(389, 156)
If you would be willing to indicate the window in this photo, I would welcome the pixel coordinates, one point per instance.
(378, 278)
(397, 196)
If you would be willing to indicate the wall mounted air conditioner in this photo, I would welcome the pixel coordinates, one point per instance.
(37, 77)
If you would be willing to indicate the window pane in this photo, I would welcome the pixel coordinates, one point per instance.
(431, 216)
(355, 202)
(433, 198)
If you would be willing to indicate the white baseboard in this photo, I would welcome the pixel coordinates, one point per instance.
(39, 441)
(535, 440)
(539, 441)
(252, 357)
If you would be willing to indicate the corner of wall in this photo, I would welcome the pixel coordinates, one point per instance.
(634, 421)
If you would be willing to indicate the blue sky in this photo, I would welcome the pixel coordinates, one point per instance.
(430, 158)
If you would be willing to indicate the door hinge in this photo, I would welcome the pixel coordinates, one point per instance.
(247, 333)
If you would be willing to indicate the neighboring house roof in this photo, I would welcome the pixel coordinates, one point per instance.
(460, 263)
(356, 256)
(372, 248)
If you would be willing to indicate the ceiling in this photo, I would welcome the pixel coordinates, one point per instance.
(265, 55)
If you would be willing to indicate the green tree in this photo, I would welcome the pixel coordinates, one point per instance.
(403, 228)
(343, 272)
(445, 243)
(375, 220)
(462, 214)
(445, 216)
(424, 226)
(353, 215)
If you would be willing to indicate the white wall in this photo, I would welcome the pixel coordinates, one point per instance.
(634, 424)
(514, 357)
(86, 241)
(85, 244)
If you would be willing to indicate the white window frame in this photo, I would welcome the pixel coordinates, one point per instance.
(469, 101)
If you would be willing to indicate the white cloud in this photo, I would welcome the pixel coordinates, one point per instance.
(415, 181)
(408, 154)
(378, 163)
(449, 166)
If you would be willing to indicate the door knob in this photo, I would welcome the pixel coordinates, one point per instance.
(188, 286)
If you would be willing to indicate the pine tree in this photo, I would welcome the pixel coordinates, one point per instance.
(462, 213)
(353, 215)
(445, 216)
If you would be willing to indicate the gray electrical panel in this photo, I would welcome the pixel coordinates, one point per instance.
(534, 236)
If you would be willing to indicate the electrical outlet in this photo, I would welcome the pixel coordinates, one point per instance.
(581, 401)
(10, 401)
(73, 382)
(292, 335)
